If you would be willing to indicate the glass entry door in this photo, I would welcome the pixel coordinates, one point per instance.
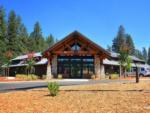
(76, 70)
(75, 66)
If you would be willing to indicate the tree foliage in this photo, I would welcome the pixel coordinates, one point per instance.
(145, 54)
(124, 60)
(12, 31)
(122, 39)
(15, 38)
(109, 48)
(148, 61)
(50, 40)
(2, 36)
(130, 44)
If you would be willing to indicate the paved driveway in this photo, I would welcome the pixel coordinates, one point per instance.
(16, 86)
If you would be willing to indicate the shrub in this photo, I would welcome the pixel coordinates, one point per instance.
(26, 77)
(44, 77)
(53, 88)
(59, 76)
(34, 77)
(29, 77)
(114, 76)
(93, 77)
(21, 76)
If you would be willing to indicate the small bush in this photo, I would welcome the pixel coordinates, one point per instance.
(114, 76)
(34, 77)
(59, 76)
(93, 77)
(29, 77)
(26, 77)
(44, 77)
(21, 76)
(53, 88)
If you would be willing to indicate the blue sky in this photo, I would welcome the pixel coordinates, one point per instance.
(97, 19)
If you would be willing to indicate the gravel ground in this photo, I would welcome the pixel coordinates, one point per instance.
(98, 98)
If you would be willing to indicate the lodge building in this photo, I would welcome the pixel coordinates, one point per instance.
(75, 56)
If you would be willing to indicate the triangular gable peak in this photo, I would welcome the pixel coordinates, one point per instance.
(76, 44)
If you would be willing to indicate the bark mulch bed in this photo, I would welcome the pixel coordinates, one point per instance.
(100, 98)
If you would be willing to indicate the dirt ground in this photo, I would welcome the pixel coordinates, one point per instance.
(99, 98)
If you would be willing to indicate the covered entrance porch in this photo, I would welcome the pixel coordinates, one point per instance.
(75, 56)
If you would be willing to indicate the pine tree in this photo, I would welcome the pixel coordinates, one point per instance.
(145, 55)
(148, 61)
(56, 40)
(2, 24)
(37, 39)
(130, 44)
(12, 30)
(109, 48)
(3, 32)
(138, 54)
(50, 40)
(23, 39)
(119, 41)
(123, 41)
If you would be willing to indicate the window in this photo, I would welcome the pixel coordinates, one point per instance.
(75, 66)
(75, 47)
(142, 69)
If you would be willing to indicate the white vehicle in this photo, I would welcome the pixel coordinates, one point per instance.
(144, 71)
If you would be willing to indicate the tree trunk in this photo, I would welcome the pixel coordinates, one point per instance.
(120, 71)
(125, 72)
(5, 72)
(27, 71)
(8, 72)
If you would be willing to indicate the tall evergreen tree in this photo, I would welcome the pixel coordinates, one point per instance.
(23, 39)
(119, 40)
(56, 40)
(145, 54)
(50, 40)
(12, 41)
(123, 40)
(138, 54)
(3, 32)
(109, 48)
(2, 24)
(130, 44)
(37, 39)
(148, 61)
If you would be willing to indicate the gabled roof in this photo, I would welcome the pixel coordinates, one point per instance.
(134, 58)
(26, 56)
(116, 63)
(76, 33)
(21, 59)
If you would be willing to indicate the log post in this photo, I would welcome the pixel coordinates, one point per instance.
(49, 72)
